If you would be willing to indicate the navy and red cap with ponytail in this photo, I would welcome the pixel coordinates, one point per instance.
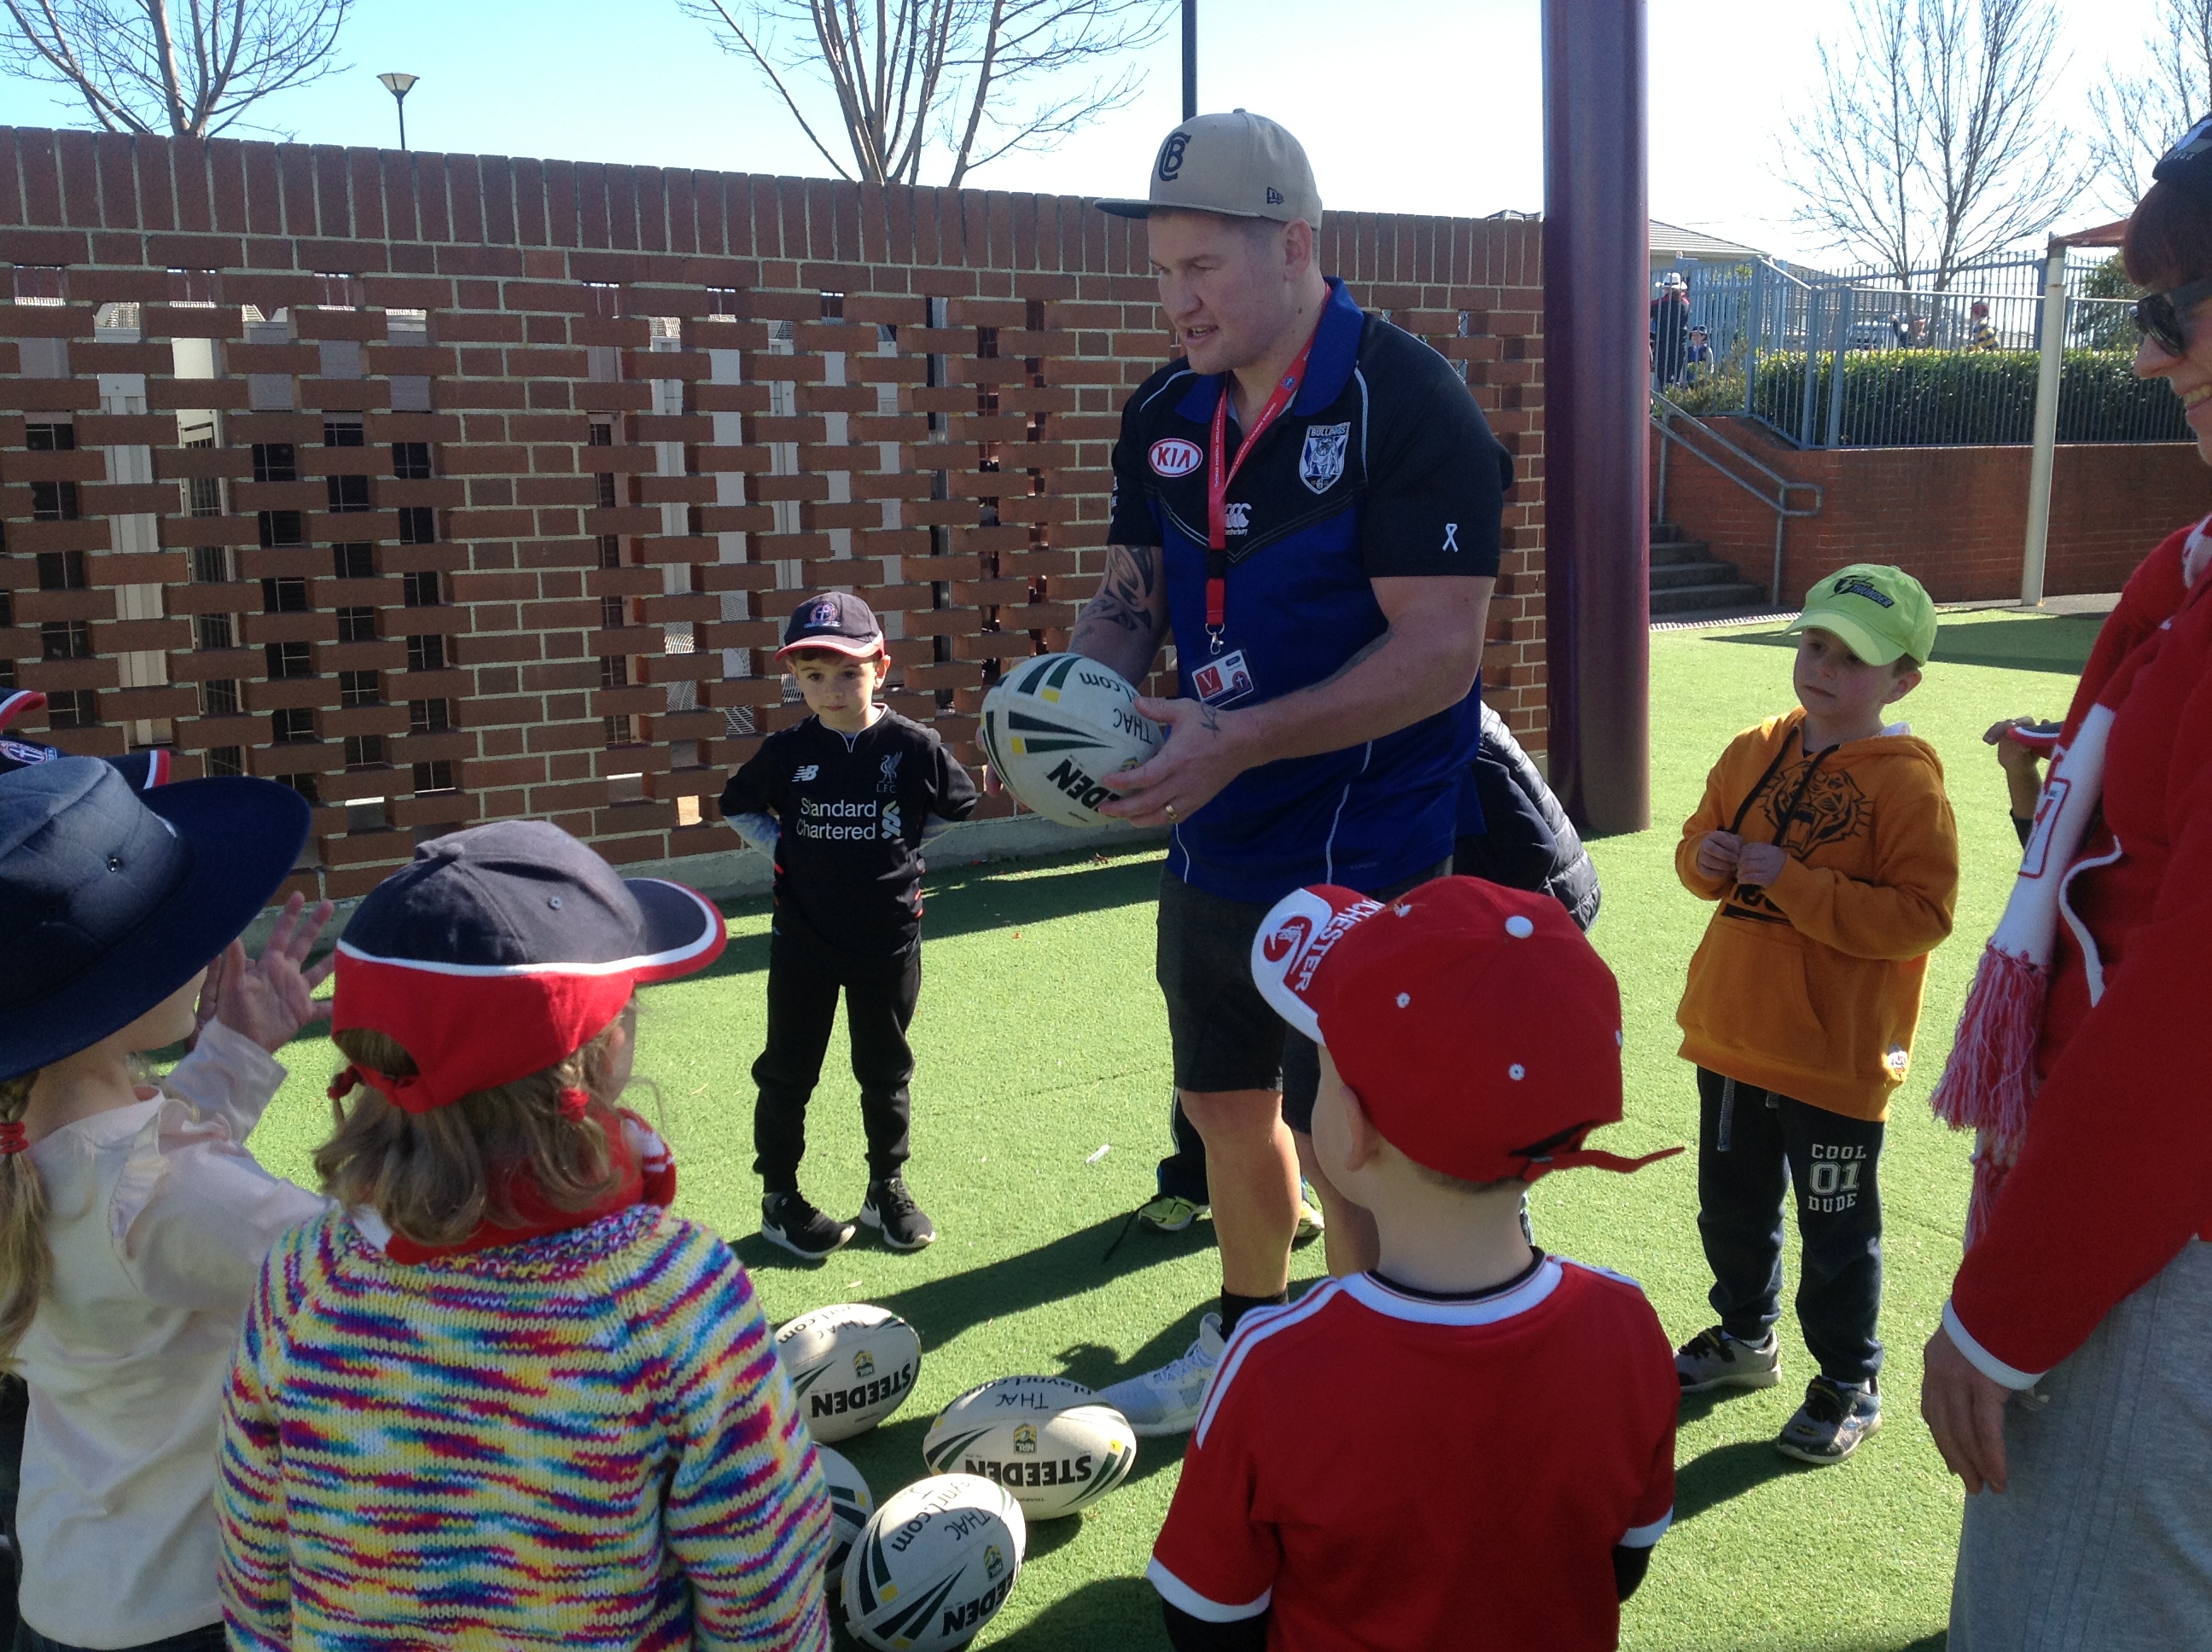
(502, 949)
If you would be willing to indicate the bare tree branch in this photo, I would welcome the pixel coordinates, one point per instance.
(898, 71)
(2140, 115)
(983, 89)
(766, 68)
(151, 66)
(1925, 147)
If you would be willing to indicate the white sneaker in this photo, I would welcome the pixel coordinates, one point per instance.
(1168, 1401)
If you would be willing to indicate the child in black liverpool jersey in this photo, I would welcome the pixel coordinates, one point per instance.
(845, 799)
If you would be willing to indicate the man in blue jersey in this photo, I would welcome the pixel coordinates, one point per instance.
(1307, 504)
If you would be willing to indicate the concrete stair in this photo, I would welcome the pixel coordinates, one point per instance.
(1686, 581)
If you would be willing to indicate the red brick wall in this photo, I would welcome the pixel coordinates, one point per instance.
(1952, 517)
(657, 404)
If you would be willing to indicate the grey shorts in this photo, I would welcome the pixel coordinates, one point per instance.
(1224, 1035)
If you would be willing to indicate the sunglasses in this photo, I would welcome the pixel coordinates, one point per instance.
(2163, 318)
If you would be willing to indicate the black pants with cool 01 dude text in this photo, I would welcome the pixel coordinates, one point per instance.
(1753, 1147)
(802, 1008)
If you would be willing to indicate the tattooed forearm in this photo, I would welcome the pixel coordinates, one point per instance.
(1134, 571)
(1125, 623)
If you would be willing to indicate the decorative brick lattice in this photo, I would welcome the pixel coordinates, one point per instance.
(452, 488)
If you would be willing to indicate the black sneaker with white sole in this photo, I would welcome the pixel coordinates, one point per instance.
(787, 1219)
(890, 1207)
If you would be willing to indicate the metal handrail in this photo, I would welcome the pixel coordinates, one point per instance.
(1779, 504)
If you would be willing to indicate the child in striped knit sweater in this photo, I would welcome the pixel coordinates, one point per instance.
(501, 1397)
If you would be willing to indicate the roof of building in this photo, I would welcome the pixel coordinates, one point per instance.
(1669, 241)
(1673, 240)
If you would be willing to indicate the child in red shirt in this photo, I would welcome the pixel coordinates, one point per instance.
(1470, 1040)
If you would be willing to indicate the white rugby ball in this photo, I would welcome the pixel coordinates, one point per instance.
(1047, 1440)
(934, 1564)
(851, 1503)
(1053, 725)
(851, 1365)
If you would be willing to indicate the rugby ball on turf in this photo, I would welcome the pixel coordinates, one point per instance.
(1053, 725)
(851, 1365)
(1047, 1440)
(934, 1564)
(850, 1504)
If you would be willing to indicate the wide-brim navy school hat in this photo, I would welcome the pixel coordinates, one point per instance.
(113, 899)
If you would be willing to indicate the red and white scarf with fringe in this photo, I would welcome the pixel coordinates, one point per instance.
(1989, 1083)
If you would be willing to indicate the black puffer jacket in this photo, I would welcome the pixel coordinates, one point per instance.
(1527, 841)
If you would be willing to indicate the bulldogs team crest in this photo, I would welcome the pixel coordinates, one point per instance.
(1323, 462)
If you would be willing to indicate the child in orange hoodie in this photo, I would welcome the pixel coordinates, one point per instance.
(1827, 841)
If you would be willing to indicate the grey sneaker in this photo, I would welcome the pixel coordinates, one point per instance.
(1829, 1425)
(1714, 1359)
(1311, 1222)
(1168, 1401)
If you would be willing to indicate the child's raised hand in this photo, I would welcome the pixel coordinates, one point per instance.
(1718, 852)
(2022, 764)
(269, 999)
(2012, 755)
(1760, 864)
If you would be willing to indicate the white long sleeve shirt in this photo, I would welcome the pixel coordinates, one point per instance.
(158, 1218)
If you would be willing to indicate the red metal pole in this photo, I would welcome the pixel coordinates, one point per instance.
(1597, 534)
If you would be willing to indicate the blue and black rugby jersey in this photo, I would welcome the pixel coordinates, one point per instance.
(1383, 467)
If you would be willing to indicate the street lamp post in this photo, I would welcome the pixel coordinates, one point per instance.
(1189, 59)
(399, 86)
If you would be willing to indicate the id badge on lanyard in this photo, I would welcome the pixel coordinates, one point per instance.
(1221, 470)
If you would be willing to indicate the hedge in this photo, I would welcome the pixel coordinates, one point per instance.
(1930, 398)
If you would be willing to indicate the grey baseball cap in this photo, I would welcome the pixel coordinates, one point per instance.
(1239, 165)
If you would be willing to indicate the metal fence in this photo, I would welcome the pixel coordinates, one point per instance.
(1864, 359)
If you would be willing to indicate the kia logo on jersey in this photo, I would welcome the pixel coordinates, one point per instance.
(1173, 456)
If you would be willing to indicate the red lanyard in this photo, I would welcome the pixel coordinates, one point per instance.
(1221, 470)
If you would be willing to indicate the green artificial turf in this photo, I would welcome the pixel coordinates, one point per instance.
(1041, 1040)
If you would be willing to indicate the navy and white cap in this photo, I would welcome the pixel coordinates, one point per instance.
(837, 621)
(113, 899)
(144, 770)
(503, 949)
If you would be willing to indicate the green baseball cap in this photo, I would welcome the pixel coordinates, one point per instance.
(1880, 612)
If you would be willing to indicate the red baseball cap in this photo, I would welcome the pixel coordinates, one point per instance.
(1479, 1029)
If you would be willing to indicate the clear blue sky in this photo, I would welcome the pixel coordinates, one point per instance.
(1413, 105)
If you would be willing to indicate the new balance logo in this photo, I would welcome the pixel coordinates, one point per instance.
(806, 772)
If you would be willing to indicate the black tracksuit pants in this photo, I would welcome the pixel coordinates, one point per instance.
(802, 1008)
(1753, 1147)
